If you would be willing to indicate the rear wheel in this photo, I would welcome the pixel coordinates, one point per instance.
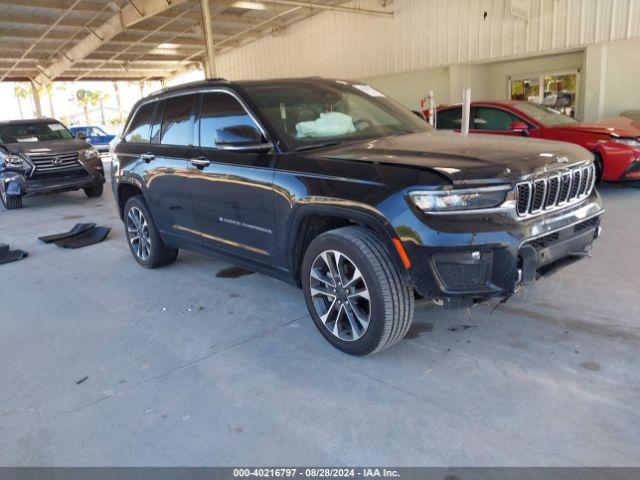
(355, 293)
(11, 203)
(95, 191)
(145, 243)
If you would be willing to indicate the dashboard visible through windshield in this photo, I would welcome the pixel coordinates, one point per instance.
(305, 114)
(34, 132)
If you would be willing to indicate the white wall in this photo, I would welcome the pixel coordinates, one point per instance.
(410, 88)
(622, 81)
(424, 34)
(447, 45)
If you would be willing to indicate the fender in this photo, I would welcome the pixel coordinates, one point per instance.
(126, 178)
(360, 213)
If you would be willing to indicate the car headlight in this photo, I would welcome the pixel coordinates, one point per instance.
(89, 153)
(630, 142)
(460, 200)
(12, 160)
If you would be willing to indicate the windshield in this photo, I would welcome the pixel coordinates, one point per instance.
(306, 114)
(33, 132)
(546, 116)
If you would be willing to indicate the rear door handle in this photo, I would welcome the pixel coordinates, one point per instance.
(147, 157)
(200, 162)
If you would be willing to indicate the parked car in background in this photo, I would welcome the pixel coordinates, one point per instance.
(633, 115)
(334, 187)
(615, 142)
(95, 135)
(42, 156)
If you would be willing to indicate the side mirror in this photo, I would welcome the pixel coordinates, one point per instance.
(81, 135)
(241, 137)
(521, 127)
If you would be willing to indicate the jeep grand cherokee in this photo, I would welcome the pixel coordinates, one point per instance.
(334, 187)
(41, 156)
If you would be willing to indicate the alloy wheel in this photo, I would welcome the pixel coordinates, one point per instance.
(340, 295)
(138, 233)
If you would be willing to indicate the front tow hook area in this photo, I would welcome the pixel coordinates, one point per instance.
(528, 264)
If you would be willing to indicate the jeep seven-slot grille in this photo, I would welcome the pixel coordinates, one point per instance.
(49, 163)
(550, 192)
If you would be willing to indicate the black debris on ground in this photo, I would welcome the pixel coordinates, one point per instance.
(7, 255)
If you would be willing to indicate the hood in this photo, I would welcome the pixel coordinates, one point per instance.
(51, 146)
(470, 159)
(617, 126)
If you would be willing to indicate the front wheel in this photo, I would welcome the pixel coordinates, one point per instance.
(354, 291)
(11, 203)
(145, 243)
(95, 191)
(599, 165)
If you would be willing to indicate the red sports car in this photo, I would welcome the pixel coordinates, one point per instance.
(615, 142)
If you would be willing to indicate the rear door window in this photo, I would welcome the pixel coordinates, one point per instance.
(220, 110)
(178, 120)
(138, 131)
(449, 119)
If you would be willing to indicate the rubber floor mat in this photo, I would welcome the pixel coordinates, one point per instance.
(76, 230)
(7, 255)
(84, 239)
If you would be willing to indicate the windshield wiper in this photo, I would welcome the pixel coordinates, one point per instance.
(317, 145)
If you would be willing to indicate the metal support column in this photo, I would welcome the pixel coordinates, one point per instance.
(210, 61)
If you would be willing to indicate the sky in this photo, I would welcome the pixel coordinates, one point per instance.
(67, 109)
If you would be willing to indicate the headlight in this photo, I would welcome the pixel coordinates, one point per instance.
(630, 142)
(89, 153)
(11, 160)
(460, 200)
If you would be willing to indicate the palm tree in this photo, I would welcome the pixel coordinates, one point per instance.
(102, 97)
(86, 98)
(21, 92)
(118, 101)
(49, 89)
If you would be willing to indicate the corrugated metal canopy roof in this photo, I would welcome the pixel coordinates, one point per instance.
(66, 40)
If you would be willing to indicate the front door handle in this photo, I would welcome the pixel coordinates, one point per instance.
(147, 157)
(200, 162)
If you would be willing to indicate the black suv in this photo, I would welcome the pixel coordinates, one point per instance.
(42, 156)
(334, 187)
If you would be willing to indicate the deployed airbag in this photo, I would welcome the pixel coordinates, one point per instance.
(330, 124)
(76, 230)
(7, 255)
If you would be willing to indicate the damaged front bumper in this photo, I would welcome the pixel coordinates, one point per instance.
(490, 257)
(21, 183)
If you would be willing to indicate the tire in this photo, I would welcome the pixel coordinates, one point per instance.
(149, 250)
(11, 203)
(95, 191)
(389, 310)
(599, 164)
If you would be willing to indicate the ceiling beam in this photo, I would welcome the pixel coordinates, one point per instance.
(46, 20)
(44, 34)
(127, 17)
(324, 6)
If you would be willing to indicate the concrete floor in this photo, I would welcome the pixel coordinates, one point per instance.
(188, 369)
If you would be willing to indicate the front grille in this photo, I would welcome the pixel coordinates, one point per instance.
(55, 163)
(550, 192)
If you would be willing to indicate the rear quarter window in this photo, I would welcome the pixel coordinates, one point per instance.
(138, 131)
